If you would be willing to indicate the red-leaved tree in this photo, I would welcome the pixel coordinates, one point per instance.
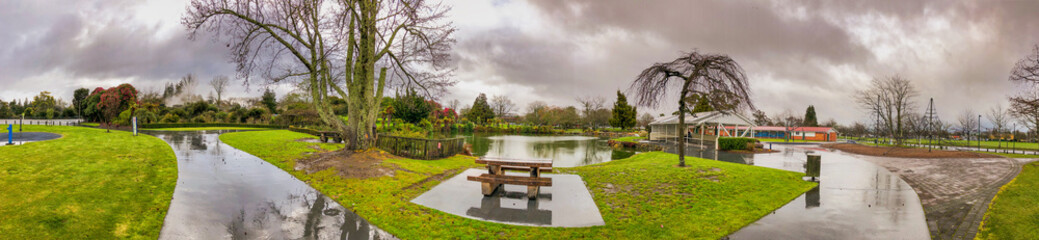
(116, 100)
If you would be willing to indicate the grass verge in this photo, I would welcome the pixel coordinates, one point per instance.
(632, 139)
(1010, 155)
(86, 185)
(642, 197)
(1013, 213)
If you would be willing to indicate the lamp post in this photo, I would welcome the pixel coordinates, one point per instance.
(979, 132)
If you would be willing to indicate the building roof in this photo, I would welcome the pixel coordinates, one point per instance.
(713, 117)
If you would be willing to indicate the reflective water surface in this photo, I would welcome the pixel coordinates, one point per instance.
(855, 199)
(565, 151)
(224, 193)
(566, 203)
(19, 138)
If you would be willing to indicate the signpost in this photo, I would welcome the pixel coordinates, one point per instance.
(10, 134)
(134, 120)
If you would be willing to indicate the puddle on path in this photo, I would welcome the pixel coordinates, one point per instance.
(566, 203)
(19, 138)
(855, 200)
(224, 193)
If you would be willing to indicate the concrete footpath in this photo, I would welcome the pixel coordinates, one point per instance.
(955, 193)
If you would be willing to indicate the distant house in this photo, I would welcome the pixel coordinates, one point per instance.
(797, 133)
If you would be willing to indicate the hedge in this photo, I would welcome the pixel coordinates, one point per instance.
(735, 143)
(196, 125)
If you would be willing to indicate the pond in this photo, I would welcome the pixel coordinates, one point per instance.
(565, 151)
(225, 193)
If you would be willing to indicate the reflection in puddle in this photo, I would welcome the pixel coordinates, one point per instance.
(566, 203)
(19, 138)
(491, 209)
(855, 199)
(224, 193)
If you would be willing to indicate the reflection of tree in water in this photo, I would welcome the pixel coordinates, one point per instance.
(273, 219)
(550, 149)
(236, 228)
(481, 143)
(198, 142)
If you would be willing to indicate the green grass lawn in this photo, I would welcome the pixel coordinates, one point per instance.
(90, 124)
(204, 128)
(642, 197)
(86, 185)
(628, 139)
(1014, 212)
(1010, 155)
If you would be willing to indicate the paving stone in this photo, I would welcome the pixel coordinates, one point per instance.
(955, 193)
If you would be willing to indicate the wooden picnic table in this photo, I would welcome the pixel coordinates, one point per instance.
(495, 176)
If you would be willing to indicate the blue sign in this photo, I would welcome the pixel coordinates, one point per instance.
(10, 134)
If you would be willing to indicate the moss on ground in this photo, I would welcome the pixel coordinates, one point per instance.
(86, 185)
(1014, 213)
(642, 197)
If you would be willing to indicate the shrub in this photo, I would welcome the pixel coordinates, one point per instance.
(425, 125)
(735, 143)
(123, 119)
(170, 118)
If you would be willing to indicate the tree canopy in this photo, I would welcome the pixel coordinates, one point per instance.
(481, 111)
(698, 78)
(810, 119)
(624, 115)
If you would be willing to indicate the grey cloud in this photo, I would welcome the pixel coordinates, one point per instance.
(798, 50)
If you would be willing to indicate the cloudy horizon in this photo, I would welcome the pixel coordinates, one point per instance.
(795, 53)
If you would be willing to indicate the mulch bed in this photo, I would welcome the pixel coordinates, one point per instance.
(349, 164)
(904, 152)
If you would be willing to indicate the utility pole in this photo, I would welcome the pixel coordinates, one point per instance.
(979, 132)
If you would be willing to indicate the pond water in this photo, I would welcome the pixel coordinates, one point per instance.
(565, 151)
(224, 193)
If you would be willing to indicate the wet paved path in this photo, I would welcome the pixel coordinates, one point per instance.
(955, 193)
(224, 193)
(855, 199)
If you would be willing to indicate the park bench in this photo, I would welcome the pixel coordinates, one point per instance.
(496, 177)
(334, 136)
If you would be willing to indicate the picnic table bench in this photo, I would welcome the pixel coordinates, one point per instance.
(496, 177)
(329, 135)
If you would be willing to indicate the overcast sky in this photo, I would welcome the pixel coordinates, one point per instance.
(795, 53)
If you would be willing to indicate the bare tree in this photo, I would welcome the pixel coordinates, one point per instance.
(645, 120)
(535, 112)
(968, 121)
(761, 119)
(454, 104)
(889, 100)
(999, 119)
(352, 48)
(1027, 69)
(219, 85)
(591, 106)
(502, 105)
(1025, 106)
(714, 78)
